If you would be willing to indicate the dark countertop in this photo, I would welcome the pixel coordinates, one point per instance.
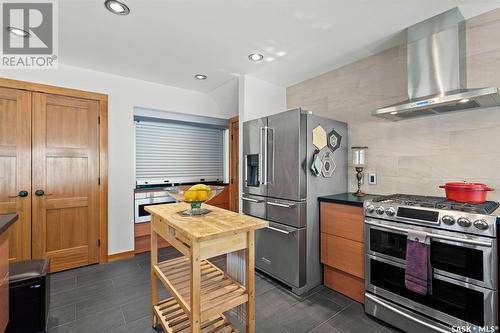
(346, 199)
(163, 187)
(6, 221)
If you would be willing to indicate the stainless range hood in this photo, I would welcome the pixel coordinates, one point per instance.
(437, 71)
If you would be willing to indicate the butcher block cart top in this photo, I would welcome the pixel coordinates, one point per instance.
(200, 291)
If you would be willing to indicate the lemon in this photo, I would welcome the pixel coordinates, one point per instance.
(190, 196)
(199, 187)
(202, 195)
(198, 192)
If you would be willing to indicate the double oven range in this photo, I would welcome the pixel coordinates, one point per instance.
(464, 260)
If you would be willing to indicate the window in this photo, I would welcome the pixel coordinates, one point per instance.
(171, 152)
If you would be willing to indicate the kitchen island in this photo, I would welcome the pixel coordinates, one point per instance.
(200, 291)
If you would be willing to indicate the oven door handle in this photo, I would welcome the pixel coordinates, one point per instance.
(407, 316)
(386, 261)
(433, 235)
(436, 275)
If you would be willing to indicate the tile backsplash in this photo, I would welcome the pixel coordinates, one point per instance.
(414, 156)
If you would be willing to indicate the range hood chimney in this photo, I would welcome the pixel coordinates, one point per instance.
(437, 81)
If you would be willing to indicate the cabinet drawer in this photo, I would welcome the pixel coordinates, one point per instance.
(280, 252)
(254, 205)
(343, 254)
(342, 220)
(4, 254)
(292, 213)
(344, 283)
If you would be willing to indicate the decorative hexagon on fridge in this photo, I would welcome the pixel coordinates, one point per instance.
(319, 137)
(334, 140)
(328, 165)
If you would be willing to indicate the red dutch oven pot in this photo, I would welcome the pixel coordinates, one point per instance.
(466, 192)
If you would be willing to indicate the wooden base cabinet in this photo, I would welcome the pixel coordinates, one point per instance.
(344, 283)
(4, 281)
(342, 249)
(143, 238)
(53, 160)
(222, 200)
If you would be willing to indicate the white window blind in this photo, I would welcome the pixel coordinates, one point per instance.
(174, 153)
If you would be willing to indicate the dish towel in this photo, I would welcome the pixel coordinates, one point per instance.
(418, 274)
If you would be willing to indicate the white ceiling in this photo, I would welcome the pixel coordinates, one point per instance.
(168, 41)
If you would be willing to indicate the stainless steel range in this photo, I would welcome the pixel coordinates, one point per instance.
(463, 256)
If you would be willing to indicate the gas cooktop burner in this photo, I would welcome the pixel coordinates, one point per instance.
(487, 207)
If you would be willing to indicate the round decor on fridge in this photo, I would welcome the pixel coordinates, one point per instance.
(328, 166)
(319, 137)
(334, 140)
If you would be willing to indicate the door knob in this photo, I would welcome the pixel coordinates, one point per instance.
(39, 193)
(21, 194)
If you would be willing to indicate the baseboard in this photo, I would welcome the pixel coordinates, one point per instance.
(120, 256)
(143, 244)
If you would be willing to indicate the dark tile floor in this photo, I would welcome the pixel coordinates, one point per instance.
(115, 298)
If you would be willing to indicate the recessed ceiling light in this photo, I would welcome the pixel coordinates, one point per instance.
(464, 100)
(269, 59)
(117, 7)
(281, 53)
(255, 57)
(200, 77)
(394, 112)
(18, 32)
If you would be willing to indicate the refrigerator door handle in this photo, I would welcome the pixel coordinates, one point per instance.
(245, 165)
(278, 204)
(279, 230)
(263, 156)
(251, 200)
(270, 157)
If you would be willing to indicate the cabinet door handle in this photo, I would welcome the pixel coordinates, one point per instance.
(21, 194)
(40, 193)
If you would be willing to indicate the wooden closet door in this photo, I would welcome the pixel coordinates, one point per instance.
(234, 165)
(15, 168)
(65, 180)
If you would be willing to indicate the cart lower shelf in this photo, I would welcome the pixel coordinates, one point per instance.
(218, 292)
(173, 319)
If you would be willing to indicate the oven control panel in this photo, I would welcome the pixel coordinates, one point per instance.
(466, 222)
(448, 220)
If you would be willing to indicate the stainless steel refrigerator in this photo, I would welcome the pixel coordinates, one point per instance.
(279, 187)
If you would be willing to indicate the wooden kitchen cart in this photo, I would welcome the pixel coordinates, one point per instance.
(200, 291)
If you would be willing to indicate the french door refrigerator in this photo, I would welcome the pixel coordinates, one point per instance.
(279, 187)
